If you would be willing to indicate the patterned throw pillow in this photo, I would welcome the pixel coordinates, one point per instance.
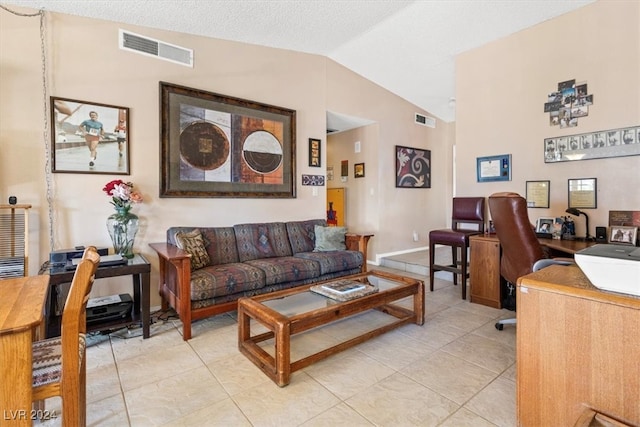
(330, 238)
(193, 244)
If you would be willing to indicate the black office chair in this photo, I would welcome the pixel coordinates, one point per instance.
(466, 210)
(522, 253)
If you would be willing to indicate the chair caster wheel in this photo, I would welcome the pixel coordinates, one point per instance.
(499, 326)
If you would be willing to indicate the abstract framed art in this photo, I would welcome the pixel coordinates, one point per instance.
(214, 145)
(88, 137)
(413, 167)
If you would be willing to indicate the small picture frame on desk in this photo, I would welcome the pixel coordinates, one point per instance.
(544, 225)
(620, 235)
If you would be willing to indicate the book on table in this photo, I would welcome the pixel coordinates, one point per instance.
(344, 286)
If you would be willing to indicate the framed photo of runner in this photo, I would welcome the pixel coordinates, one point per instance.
(88, 137)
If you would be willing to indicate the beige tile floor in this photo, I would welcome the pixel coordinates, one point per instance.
(455, 370)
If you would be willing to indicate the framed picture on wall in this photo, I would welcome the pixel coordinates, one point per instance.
(494, 168)
(358, 170)
(89, 137)
(214, 145)
(413, 167)
(314, 153)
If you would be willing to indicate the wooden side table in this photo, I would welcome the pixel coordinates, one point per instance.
(138, 267)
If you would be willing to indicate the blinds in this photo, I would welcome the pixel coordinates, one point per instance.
(14, 240)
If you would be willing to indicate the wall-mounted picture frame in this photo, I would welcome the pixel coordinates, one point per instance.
(215, 145)
(600, 144)
(315, 152)
(89, 137)
(493, 168)
(413, 167)
(358, 170)
(583, 193)
(545, 225)
(621, 235)
(537, 194)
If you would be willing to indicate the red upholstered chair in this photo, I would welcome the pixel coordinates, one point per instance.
(466, 210)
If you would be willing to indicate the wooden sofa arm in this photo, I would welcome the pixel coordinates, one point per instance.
(358, 242)
(175, 280)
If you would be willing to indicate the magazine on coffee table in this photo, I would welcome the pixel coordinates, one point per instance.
(344, 290)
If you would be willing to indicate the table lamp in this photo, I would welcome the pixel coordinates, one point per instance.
(577, 212)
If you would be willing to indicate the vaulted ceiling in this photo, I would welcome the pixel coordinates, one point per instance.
(407, 47)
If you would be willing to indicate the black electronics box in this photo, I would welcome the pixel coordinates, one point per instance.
(60, 257)
(109, 308)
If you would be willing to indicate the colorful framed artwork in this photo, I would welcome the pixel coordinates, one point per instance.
(315, 153)
(214, 145)
(358, 170)
(413, 167)
(494, 168)
(89, 137)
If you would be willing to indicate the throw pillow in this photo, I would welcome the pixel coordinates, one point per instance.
(193, 243)
(329, 238)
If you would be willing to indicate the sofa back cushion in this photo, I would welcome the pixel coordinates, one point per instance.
(220, 242)
(262, 240)
(302, 234)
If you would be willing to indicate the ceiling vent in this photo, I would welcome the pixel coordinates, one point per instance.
(156, 48)
(425, 120)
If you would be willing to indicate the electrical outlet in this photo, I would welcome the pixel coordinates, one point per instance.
(416, 236)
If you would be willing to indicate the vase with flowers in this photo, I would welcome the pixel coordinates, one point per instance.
(122, 225)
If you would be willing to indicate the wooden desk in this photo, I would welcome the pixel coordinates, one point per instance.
(21, 312)
(484, 265)
(577, 348)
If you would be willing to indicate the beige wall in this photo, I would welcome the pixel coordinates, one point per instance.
(85, 63)
(391, 213)
(502, 87)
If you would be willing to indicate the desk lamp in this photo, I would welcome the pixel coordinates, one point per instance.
(576, 212)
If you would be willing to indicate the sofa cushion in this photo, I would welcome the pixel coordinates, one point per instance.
(302, 234)
(220, 242)
(286, 269)
(330, 238)
(262, 240)
(225, 279)
(192, 243)
(334, 261)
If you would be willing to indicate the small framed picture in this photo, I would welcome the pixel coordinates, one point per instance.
(314, 152)
(623, 235)
(545, 225)
(358, 170)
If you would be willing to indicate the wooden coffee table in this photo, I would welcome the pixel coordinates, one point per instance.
(289, 312)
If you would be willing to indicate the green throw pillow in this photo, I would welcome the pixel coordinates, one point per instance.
(193, 244)
(330, 238)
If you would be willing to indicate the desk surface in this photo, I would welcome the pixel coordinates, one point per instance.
(22, 302)
(21, 310)
(566, 246)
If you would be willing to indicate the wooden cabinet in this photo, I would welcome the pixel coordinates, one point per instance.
(484, 270)
(578, 349)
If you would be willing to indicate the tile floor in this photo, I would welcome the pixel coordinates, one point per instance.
(455, 370)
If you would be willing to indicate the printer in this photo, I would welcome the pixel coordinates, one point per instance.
(611, 267)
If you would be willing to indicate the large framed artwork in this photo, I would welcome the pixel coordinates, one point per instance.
(88, 137)
(214, 145)
(413, 167)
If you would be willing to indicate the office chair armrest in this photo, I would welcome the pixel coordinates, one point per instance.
(542, 263)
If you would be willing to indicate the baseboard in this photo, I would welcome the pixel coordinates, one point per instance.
(407, 251)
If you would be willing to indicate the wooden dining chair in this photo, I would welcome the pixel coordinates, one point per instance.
(59, 364)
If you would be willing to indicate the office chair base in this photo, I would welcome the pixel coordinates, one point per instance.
(501, 323)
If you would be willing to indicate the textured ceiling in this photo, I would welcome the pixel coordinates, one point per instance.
(407, 47)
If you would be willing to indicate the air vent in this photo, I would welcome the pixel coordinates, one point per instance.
(425, 120)
(156, 48)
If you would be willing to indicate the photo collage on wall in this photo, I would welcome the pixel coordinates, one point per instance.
(568, 103)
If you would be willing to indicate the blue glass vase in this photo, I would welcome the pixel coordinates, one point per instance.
(123, 227)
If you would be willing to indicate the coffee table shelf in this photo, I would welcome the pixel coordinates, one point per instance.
(290, 312)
